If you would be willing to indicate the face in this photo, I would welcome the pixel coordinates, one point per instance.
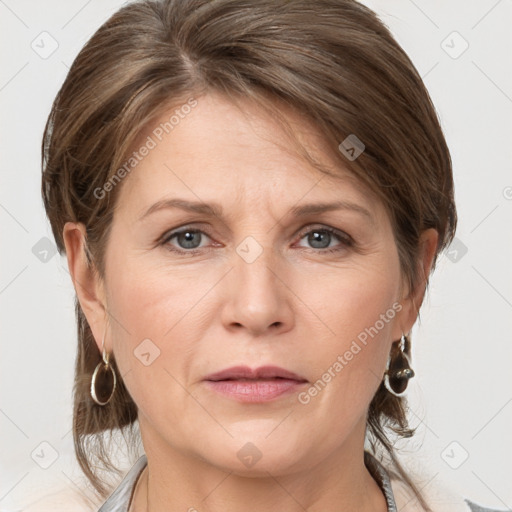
(261, 281)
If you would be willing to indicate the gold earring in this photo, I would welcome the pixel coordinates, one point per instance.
(103, 382)
(398, 370)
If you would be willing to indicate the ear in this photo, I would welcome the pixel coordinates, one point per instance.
(412, 302)
(86, 281)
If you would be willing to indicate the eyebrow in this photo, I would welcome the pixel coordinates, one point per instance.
(215, 209)
(315, 208)
(212, 209)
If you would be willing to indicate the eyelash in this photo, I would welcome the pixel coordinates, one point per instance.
(345, 239)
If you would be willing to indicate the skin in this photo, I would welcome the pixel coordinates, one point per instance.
(295, 306)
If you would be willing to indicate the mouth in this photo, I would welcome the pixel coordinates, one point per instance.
(262, 384)
(261, 373)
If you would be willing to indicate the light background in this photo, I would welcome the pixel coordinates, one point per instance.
(462, 395)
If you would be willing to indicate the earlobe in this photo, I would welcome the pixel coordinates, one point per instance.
(86, 281)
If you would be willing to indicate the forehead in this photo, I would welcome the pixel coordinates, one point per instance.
(226, 151)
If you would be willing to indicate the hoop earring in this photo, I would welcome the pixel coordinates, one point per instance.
(103, 382)
(398, 370)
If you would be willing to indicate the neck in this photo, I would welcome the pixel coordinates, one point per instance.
(174, 480)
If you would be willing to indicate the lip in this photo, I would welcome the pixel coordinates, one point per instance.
(261, 373)
(261, 384)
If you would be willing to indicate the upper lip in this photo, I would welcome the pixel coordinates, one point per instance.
(263, 372)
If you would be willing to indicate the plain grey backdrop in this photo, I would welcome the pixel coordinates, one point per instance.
(461, 398)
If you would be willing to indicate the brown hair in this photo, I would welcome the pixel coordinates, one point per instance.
(332, 61)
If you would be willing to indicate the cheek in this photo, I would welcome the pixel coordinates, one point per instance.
(351, 301)
(358, 309)
(144, 311)
(149, 299)
(156, 325)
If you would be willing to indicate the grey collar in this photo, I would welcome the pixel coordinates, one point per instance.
(380, 475)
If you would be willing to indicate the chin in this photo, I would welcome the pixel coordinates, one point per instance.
(259, 454)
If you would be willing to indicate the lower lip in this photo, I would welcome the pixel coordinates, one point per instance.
(255, 390)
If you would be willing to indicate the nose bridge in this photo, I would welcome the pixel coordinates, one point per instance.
(255, 268)
(259, 298)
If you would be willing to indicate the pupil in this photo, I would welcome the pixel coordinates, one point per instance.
(317, 239)
(188, 239)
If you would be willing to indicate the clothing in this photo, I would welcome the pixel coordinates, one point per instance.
(119, 500)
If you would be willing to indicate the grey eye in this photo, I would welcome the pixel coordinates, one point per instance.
(319, 239)
(187, 239)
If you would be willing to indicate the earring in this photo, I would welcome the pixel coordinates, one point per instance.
(399, 371)
(103, 382)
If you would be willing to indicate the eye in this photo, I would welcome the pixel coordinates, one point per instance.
(191, 240)
(322, 238)
(187, 240)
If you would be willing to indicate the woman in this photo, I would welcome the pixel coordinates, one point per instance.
(251, 197)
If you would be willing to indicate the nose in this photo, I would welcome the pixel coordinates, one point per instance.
(258, 299)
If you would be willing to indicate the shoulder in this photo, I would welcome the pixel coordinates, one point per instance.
(75, 499)
(438, 497)
(65, 500)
